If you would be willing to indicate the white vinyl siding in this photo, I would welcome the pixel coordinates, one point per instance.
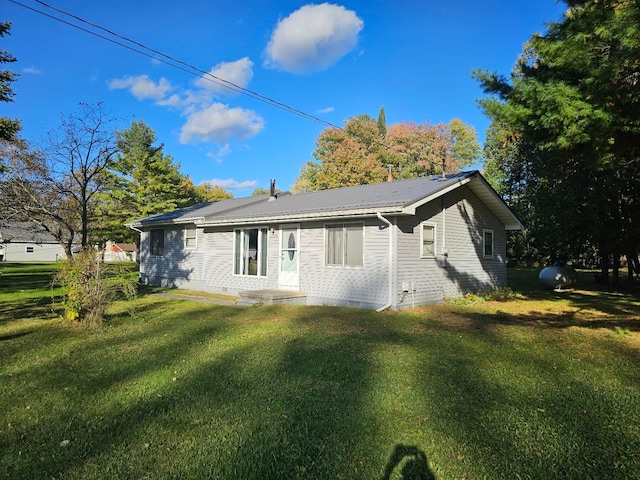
(466, 269)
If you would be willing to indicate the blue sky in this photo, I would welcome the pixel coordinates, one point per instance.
(328, 60)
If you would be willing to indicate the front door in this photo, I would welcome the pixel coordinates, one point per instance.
(289, 276)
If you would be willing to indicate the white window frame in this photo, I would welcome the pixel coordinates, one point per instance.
(434, 248)
(262, 259)
(344, 252)
(485, 244)
(191, 238)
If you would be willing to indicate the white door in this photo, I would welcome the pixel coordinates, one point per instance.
(289, 276)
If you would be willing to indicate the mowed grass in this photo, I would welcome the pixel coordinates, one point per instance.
(545, 386)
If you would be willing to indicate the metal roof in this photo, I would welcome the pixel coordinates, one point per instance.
(399, 197)
(25, 232)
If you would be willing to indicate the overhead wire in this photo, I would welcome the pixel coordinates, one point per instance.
(178, 64)
(157, 55)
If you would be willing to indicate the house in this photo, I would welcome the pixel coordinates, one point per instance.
(25, 242)
(119, 252)
(390, 245)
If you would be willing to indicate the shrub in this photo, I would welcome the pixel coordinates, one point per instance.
(90, 286)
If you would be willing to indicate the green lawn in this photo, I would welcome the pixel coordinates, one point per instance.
(545, 386)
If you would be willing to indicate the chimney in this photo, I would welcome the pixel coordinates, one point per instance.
(272, 190)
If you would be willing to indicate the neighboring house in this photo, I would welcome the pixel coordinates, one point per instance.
(119, 252)
(390, 245)
(25, 242)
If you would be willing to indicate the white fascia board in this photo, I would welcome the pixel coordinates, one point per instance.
(411, 208)
(159, 223)
(302, 218)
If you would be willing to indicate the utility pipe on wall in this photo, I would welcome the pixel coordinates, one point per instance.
(390, 225)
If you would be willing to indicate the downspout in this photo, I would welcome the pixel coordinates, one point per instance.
(390, 225)
(138, 250)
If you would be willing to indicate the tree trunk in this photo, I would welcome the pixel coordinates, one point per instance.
(616, 270)
(633, 265)
(604, 268)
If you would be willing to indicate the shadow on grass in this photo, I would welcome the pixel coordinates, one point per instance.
(41, 308)
(186, 390)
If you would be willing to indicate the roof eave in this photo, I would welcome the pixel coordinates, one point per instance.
(412, 207)
(330, 215)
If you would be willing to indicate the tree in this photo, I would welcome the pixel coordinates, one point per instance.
(571, 103)
(358, 154)
(9, 128)
(208, 192)
(57, 187)
(142, 181)
(382, 123)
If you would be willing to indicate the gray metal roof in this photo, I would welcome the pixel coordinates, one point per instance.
(25, 232)
(400, 197)
(199, 211)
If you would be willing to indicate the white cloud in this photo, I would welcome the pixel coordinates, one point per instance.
(231, 184)
(325, 110)
(312, 38)
(31, 71)
(142, 87)
(220, 123)
(222, 152)
(206, 120)
(239, 73)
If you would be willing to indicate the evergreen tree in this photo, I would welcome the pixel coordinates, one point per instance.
(143, 181)
(8, 127)
(571, 104)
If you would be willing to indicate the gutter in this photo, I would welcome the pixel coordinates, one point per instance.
(390, 302)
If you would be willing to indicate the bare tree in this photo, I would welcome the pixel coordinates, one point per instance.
(55, 187)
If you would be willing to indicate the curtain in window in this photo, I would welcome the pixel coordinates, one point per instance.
(250, 252)
(354, 250)
(427, 240)
(262, 246)
(334, 245)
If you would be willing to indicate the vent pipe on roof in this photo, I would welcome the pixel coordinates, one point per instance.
(272, 190)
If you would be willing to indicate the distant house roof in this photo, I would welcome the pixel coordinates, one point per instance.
(25, 232)
(123, 247)
(400, 197)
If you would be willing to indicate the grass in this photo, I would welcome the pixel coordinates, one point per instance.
(542, 386)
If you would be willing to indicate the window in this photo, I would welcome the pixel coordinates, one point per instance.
(428, 239)
(157, 242)
(487, 243)
(29, 249)
(344, 245)
(250, 252)
(190, 237)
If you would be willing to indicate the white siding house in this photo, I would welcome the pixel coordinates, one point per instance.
(392, 245)
(24, 243)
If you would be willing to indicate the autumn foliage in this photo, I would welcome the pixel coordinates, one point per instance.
(365, 150)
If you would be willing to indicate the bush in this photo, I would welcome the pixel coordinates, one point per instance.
(90, 287)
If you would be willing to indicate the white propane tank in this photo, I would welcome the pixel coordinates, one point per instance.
(558, 277)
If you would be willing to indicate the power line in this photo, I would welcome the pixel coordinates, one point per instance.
(168, 60)
(178, 64)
